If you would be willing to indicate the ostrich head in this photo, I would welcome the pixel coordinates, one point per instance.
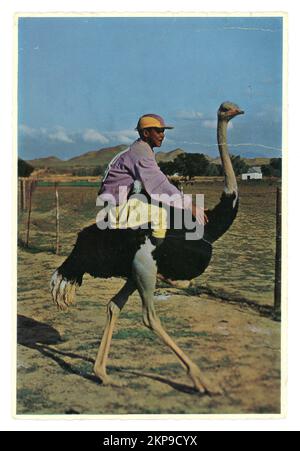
(228, 110)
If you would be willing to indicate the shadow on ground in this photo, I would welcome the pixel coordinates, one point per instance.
(37, 335)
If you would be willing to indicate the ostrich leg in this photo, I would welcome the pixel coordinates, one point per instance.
(113, 310)
(144, 272)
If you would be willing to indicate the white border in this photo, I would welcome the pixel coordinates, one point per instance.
(186, 423)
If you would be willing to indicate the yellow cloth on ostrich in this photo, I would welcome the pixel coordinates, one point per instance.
(137, 213)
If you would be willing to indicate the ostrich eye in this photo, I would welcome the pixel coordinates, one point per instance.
(225, 108)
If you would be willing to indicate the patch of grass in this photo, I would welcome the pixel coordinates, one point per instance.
(225, 362)
(127, 334)
(24, 289)
(28, 370)
(168, 366)
(67, 336)
(265, 409)
(132, 316)
(146, 410)
(33, 400)
(204, 362)
(88, 345)
(115, 407)
(136, 385)
(84, 368)
(189, 334)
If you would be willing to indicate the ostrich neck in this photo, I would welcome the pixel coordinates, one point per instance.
(230, 179)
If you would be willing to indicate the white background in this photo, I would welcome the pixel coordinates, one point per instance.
(7, 340)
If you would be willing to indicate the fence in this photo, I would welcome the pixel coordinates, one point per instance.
(26, 187)
(278, 268)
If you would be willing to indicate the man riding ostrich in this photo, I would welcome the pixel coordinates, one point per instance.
(139, 254)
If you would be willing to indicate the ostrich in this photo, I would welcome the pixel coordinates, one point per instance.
(130, 254)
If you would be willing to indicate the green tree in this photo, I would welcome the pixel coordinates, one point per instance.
(239, 165)
(274, 169)
(97, 170)
(213, 170)
(267, 170)
(168, 167)
(276, 164)
(24, 168)
(191, 164)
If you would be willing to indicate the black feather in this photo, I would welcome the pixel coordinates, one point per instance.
(108, 253)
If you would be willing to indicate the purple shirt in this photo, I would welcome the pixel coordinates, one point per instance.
(138, 163)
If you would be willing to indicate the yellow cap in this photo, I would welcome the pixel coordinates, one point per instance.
(151, 120)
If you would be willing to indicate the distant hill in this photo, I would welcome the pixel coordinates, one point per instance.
(89, 159)
(259, 161)
(94, 158)
(48, 162)
(168, 156)
(103, 156)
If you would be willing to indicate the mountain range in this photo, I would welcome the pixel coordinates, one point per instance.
(103, 156)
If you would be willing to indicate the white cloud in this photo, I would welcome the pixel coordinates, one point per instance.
(212, 123)
(123, 136)
(60, 134)
(91, 135)
(33, 132)
(189, 114)
(28, 131)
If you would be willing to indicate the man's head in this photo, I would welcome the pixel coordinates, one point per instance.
(151, 128)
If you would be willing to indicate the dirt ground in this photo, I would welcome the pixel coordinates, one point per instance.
(237, 346)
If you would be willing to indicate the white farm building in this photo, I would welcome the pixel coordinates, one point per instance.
(253, 173)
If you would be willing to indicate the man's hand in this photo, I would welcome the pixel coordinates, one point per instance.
(199, 214)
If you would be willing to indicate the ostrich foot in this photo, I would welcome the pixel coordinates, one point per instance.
(107, 380)
(181, 284)
(202, 385)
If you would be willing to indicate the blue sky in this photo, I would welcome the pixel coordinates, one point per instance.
(83, 82)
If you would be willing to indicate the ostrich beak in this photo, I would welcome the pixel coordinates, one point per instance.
(232, 113)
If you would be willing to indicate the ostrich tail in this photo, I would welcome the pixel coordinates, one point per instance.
(62, 290)
(69, 275)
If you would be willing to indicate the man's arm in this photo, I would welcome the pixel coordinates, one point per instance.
(155, 182)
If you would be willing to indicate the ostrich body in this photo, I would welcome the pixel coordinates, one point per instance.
(130, 254)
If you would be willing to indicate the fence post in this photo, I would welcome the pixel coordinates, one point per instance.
(23, 187)
(57, 220)
(30, 190)
(277, 290)
(19, 195)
